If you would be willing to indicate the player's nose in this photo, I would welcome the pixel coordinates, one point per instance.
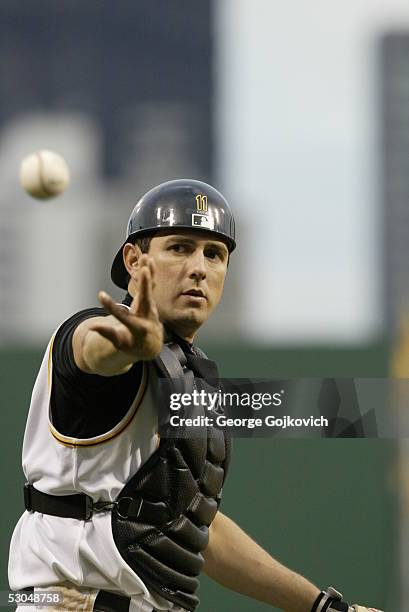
(197, 265)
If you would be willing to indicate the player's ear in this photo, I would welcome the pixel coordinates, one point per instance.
(131, 254)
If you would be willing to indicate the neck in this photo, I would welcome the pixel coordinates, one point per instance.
(180, 331)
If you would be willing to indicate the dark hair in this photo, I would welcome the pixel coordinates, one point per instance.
(143, 243)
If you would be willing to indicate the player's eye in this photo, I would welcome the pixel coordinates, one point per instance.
(212, 253)
(178, 248)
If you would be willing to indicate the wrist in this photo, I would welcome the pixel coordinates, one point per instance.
(330, 601)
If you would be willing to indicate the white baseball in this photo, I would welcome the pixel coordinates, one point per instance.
(44, 174)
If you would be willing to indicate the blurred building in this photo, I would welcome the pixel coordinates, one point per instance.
(124, 93)
(259, 98)
(394, 94)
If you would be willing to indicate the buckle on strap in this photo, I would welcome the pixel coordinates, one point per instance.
(125, 507)
(128, 507)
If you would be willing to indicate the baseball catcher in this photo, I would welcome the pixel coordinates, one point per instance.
(119, 518)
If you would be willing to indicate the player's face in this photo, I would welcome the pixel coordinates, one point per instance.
(190, 268)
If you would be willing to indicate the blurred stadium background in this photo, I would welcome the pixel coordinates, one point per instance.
(299, 113)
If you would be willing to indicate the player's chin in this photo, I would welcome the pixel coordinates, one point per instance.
(199, 315)
(193, 315)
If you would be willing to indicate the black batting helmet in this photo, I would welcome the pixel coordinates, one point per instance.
(183, 203)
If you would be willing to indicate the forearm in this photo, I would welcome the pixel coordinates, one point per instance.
(234, 560)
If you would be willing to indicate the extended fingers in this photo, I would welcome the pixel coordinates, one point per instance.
(145, 294)
(140, 338)
(143, 304)
(119, 311)
(152, 268)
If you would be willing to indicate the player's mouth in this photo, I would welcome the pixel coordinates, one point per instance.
(195, 294)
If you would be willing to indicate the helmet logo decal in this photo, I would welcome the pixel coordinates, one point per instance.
(201, 203)
(199, 220)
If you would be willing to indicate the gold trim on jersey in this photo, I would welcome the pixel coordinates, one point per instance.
(50, 357)
(119, 428)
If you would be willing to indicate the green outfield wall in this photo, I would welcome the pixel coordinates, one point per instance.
(326, 508)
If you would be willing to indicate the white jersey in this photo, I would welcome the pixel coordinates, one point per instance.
(47, 550)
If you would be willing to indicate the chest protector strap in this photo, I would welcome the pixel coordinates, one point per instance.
(161, 518)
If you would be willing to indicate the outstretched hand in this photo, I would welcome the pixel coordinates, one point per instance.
(136, 331)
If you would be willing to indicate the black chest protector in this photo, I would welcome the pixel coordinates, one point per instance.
(164, 511)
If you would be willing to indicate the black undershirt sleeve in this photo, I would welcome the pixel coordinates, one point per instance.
(87, 405)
